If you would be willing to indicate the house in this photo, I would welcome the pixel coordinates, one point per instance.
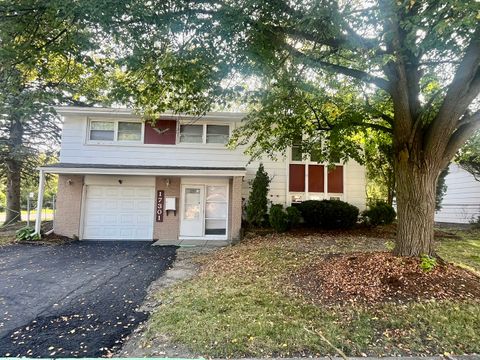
(461, 202)
(121, 178)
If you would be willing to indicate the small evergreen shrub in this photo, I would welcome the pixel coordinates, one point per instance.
(379, 213)
(329, 214)
(257, 205)
(278, 218)
(294, 216)
(26, 234)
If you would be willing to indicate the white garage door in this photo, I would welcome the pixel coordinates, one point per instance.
(119, 213)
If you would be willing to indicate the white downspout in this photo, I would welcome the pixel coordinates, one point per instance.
(41, 189)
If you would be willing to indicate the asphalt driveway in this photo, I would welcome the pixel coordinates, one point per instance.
(77, 299)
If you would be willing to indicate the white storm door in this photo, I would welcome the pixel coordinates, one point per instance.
(193, 216)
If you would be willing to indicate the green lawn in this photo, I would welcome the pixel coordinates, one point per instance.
(464, 251)
(239, 305)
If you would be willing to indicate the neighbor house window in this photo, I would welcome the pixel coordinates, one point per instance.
(204, 134)
(191, 134)
(217, 134)
(115, 130)
(129, 131)
(102, 130)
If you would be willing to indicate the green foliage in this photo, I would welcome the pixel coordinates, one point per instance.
(329, 214)
(469, 156)
(294, 216)
(379, 213)
(278, 218)
(427, 263)
(257, 205)
(27, 234)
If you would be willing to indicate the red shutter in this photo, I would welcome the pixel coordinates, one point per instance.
(315, 178)
(297, 177)
(335, 180)
(162, 132)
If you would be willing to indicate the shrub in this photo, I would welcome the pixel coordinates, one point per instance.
(329, 214)
(427, 263)
(278, 218)
(26, 234)
(257, 201)
(379, 213)
(294, 216)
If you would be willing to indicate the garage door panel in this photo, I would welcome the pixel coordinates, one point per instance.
(143, 205)
(127, 205)
(128, 192)
(119, 212)
(143, 220)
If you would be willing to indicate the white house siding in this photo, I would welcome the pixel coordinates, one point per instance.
(76, 150)
(355, 182)
(461, 202)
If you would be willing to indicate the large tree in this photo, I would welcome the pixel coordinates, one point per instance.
(421, 57)
(47, 58)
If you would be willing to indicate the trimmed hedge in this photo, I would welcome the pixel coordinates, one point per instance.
(329, 214)
(278, 218)
(379, 213)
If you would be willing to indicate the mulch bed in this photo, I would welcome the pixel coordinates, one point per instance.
(380, 277)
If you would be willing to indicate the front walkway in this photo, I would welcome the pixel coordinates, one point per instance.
(194, 243)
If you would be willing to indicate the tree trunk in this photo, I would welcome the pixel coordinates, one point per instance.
(14, 171)
(415, 209)
(13, 192)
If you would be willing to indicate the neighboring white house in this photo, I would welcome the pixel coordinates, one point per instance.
(461, 202)
(122, 178)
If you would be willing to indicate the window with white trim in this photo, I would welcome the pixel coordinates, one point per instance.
(106, 131)
(204, 134)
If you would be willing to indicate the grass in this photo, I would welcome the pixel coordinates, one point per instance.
(464, 251)
(239, 305)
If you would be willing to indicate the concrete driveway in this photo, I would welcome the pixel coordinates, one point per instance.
(77, 299)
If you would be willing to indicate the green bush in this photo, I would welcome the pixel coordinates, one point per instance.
(379, 213)
(294, 216)
(329, 214)
(26, 234)
(278, 218)
(257, 205)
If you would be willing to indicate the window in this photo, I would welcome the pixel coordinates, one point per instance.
(102, 130)
(217, 134)
(297, 150)
(191, 134)
(114, 130)
(216, 208)
(129, 131)
(204, 134)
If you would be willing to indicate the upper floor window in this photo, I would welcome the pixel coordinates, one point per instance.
(114, 130)
(204, 134)
(192, 134)
(102, 130)
(217, 134)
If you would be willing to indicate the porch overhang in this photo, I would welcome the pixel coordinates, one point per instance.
(141, 170)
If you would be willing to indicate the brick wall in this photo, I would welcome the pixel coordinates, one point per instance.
(69, 204)
(170, 227)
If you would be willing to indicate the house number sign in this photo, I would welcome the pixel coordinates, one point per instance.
(160, 205)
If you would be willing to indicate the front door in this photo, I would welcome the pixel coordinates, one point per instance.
(192, 210)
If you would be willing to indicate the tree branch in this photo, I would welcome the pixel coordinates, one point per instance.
(460, 137)
(354, 73)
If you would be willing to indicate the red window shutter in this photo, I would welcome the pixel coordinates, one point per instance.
(315, 178)
(162, 132)
(335, 180)
(297, 177)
